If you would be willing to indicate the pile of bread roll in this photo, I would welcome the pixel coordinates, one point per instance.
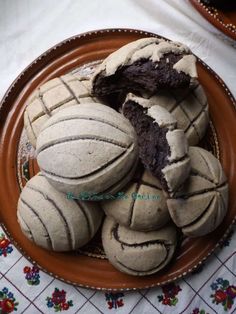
(135, 160)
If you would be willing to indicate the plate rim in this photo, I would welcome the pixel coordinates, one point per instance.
(11, 91)
(213, 20)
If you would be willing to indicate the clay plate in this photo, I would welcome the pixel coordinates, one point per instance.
(88, 267)
(225, 21)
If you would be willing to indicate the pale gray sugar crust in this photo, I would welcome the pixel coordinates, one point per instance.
(52, 96)
(138, 253)
(90, 147)
(143, 207)
(51, 220)
(200, 205)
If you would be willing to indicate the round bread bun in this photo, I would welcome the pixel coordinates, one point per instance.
(145, 66)
(138, 253)
(200, 205)
(54, 222)
(52, 96)
(141, 205)
(87, 148)
(188, 107)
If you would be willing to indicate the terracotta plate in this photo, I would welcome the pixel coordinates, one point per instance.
(225, 21)
(89, 267)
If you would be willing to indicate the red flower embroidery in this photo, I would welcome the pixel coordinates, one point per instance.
(220, 296)
(5, 247)
(58, 301)
(168, 297)
(8, 303)
(224, 293)
(114, 300)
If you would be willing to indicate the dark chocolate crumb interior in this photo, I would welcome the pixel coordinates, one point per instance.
(153, 146)
(143, 76)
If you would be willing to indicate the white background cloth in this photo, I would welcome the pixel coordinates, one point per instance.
(27, 29)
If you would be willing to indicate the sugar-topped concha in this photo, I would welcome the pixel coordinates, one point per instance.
(52, 96)
(200, 205)
(189, 107)
(138, 253)
(87, 148)
(141, 205)
(145, 66)
(51, 220)
(163, 148)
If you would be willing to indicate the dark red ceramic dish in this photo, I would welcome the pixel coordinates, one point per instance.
(225, 21)
(89, 268)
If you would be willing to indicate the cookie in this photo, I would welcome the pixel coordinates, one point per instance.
(52, 96)
(163, 148)
(141, 205)
(87, 148)
(54, 222)
(138, 253)
(200, 205)
(189, 108)
(145, 65)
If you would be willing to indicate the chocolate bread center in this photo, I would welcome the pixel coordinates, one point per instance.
(153, 146)
(143, 76)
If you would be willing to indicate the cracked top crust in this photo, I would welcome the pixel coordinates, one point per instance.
(148, 48)
(146, 65)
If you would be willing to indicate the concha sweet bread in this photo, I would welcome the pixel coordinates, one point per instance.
(52, 96)
(163, 148)
(141, 206)
(54, 222)
(87, 148)
(145, 66)
(200, 205)
(135, 252)
(188, 107)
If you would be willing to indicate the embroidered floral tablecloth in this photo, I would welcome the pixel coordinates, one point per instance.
(26, 289)
(27, 29)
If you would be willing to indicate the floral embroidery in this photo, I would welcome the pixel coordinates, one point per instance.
(5, 247)
(169, 293)
(114, 300)
(58, 301)
(32, 275)
(8, 303)
(224, 293)
(198, 311)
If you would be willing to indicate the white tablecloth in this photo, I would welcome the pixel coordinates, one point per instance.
(28, 28)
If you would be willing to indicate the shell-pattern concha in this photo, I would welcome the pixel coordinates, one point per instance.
(51, 97)
(89, 148)
(163, 148)
(135, 252)
(143, 205)
(200, 205)
(189, 108)
(53, 221)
